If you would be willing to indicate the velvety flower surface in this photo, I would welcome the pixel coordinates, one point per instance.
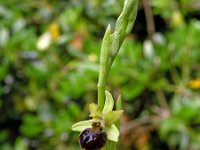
(92, 140)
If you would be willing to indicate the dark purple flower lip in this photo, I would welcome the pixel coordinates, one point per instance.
(92, 140)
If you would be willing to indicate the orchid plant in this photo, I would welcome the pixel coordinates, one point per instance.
(102, 125)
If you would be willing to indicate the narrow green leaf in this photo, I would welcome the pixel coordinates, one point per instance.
(109, 103)
(82, 125)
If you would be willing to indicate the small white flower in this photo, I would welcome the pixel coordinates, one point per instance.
(44, 41)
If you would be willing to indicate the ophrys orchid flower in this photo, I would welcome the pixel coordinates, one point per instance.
(101, 122)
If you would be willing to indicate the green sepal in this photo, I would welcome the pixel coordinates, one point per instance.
(112, 133)
(118, 107)
(109, 103)
(82, 125)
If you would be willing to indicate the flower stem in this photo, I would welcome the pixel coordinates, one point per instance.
(112, 42)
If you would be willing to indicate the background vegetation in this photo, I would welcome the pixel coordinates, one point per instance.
(49, 52)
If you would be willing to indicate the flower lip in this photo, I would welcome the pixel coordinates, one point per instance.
(92, 140)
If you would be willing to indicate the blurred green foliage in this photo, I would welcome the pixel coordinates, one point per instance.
(49, 53)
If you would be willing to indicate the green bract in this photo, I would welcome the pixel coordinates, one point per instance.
(107, 117)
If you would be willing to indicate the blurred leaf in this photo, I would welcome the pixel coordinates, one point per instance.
(20, 144)
(31, 126)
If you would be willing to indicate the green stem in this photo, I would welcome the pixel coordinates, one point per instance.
(110, 46)
(112, 42)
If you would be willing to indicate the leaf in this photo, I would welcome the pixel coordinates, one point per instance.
(112, 133)
(112, 116)
(82, 125)
(109, 103)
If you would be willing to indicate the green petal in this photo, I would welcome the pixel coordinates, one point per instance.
(109, 103)
(82, 125)
(119, 103)
(112, 116)
(94, 111)
(112, 133)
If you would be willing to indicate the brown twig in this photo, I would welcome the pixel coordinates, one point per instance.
(149, 18)
(134, 124)
(162, 99)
